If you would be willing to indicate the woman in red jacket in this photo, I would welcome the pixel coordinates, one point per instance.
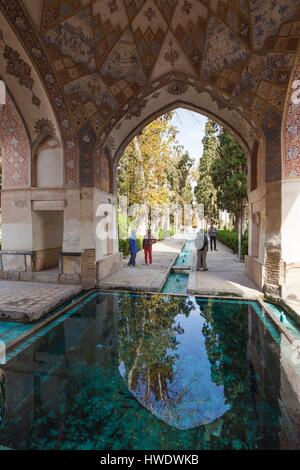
(147, 246)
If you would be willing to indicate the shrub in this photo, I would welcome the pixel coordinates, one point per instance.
(162, 234)
(230, 239)
(124, 245)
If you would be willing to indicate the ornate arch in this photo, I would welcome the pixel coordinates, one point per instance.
(291, 128)
(16, 149)
(180, 91)
(17, 16)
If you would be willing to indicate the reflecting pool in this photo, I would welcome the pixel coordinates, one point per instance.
(130, 371)
(184, 259)
(176, 283)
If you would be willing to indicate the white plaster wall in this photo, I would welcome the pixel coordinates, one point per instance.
(290, 230)
(50, 165)
(71, 241)
(102, 198)
(17, 236)
(16, 221)
(257, 203)
(47, 229)
(87, 233)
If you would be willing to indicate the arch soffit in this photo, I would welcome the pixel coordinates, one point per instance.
(184, 93)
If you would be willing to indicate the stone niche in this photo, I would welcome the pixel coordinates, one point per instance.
(47, 238)
(49, 165)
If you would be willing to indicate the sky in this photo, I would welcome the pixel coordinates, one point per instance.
(191, 130)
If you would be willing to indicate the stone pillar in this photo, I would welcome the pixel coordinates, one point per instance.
(290, 235)
(273, 256)
(107, 256)
(254, 262)
(17, 237)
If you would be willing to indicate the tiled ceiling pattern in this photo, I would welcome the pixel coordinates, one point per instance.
(105, 51)
(108, 54)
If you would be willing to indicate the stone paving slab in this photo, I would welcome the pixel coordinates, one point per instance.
(143, 277)
(225, 276)
(29, 301)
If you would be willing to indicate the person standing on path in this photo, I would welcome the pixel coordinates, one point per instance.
(147, 246)
(133, 248)
(212, 232)
(201, 243)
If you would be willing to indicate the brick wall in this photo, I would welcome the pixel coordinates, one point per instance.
(88, 267)
(273, 272)
(46, 259)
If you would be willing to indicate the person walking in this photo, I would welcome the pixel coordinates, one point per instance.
(147, 246)
(133, 248)
(201, 243)
(212, 232)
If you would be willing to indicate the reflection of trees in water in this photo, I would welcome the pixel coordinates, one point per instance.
(226, 332)
(226, 339)
(2, 394)
(147, 345)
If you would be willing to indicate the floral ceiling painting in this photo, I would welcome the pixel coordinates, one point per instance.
(101, 59)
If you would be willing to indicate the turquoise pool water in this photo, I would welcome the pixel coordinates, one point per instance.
(184, 258)
(130, 371)
(11, 330)
(176, 283)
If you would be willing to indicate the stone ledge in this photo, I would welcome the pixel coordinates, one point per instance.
(254, 270)
(41, 276)
(27, 302)
(108, 265)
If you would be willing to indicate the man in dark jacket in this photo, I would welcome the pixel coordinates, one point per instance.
(201, 243)
(212, 232)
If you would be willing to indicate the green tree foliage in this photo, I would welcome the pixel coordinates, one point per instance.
(205, 190)
(184, 189)
(222, 181)
(229, 175)
(147, 345)
(154, 169)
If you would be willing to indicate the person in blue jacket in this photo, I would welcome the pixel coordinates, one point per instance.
(133, 248)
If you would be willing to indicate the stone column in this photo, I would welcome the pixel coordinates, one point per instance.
(273, 255)
(290, 234)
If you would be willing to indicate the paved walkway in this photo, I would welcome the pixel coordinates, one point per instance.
(225, 276)
(29, 301)
(146, 278)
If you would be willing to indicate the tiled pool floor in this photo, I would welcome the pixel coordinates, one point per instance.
(195, 373)
(11, 330)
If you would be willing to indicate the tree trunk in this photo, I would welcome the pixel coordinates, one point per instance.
(139, 154)
(240, 233)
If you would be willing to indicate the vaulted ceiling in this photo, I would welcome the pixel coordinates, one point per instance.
(106, 55)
